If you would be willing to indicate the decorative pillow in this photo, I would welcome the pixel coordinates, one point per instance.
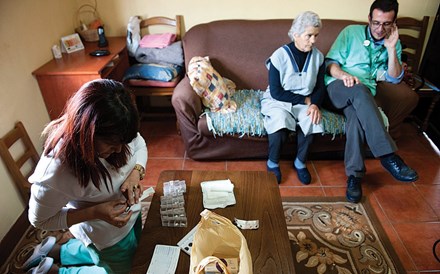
(157, 40)
(214, 90)
(156, 72)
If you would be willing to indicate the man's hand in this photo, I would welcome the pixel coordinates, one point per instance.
(392, 37)
(349, 80)
(335, 70)
(390, 42)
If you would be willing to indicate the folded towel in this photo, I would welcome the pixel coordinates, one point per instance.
(157, 40)
(172, 54)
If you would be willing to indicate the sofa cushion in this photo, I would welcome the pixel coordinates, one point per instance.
(214, 90)
(248, 120)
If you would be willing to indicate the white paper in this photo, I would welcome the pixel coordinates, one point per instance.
(164, 261)
(186, 243)
(149, 191)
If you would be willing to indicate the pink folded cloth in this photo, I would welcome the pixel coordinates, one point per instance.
(157, 40)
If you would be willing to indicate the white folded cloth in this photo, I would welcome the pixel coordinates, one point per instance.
(218, 194)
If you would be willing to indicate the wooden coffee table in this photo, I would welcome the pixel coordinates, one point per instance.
(258, 198)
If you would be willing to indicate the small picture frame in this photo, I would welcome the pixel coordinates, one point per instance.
(72, 43)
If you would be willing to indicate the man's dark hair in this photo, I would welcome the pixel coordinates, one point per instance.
(385, 6)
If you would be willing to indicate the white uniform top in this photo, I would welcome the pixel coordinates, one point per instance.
(278, 114)
(55, 189)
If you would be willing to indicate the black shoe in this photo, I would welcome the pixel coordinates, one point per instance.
(400, 171)
(354, 189)
(303, 175)
(276, 171)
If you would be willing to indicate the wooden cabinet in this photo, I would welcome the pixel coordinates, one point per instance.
(58, 79)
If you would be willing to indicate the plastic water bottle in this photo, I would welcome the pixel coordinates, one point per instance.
(56, 51)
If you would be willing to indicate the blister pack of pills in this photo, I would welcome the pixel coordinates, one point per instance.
(174, 188)
(172, 204)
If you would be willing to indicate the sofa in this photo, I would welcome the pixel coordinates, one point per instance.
(237, 50)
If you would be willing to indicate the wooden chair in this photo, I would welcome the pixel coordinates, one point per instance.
(20, 157)
(412, 33)
(148, 88)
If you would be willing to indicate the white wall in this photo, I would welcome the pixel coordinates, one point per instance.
(116, 13)
(29, 28)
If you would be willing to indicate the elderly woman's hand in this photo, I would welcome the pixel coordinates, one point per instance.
(131, 188)
(314, 113)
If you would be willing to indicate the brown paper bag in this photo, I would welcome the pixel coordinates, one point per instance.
(203, 263)
(217, 236)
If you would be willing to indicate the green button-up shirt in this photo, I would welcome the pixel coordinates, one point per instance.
(358, 55)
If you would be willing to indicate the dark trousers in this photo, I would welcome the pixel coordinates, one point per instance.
(364, 124)
(277, 139)
(397, 101)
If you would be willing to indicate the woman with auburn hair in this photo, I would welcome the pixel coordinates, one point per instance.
(88, 181)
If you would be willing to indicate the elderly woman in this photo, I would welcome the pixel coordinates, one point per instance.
(295, 92)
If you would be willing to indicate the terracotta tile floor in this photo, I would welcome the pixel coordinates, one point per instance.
(409, 213)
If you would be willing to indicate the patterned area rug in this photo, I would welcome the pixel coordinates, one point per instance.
(33, 237)
(328, 235)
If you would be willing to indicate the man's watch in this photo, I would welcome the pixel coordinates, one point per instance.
(141, 170)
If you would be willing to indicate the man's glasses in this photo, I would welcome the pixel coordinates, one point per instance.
(385, 25)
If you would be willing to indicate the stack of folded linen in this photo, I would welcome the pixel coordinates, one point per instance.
(218, 194)
(159, 57)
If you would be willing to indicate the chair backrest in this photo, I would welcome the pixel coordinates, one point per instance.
(152, 25)
(412, 33)
(20, 157)
(176, 24)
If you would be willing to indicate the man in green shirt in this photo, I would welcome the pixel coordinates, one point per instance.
(364, 63)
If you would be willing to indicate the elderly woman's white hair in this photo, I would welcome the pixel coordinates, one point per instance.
(302, 21)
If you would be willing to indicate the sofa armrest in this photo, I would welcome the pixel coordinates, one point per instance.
(187, 105)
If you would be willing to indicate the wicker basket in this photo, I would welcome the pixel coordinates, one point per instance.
(90, 35)
(87, 13)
